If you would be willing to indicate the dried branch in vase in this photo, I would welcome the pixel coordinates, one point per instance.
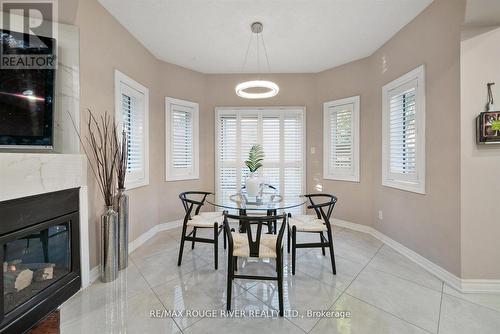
(122, 158)
(103, 154)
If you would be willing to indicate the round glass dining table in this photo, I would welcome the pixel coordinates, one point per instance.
(266, 202)
(269, 202)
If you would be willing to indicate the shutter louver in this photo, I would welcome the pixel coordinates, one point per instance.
(133, 121)
(182, 139)
(341, 145)
(281, 135)
(402, 133)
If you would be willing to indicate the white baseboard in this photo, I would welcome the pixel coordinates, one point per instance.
(462, 285)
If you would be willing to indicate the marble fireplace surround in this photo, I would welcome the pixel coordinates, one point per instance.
(28, 174)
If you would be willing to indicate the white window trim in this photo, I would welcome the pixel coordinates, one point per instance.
(121, 78)
(354, 175)
(222, 110)
(388, 179)
(169, 176)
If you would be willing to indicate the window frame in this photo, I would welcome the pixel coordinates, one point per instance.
(413, 79)
(354, 175)
(239, 110)
(170, 176)
(123, 79)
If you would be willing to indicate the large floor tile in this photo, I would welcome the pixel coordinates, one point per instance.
(161, 268)
(316, 265)
(363, 319)
(490, 300)
(409, 301)
(204, 289)
(358, 248)
(462, 317)
(392, 262)
(158, 244)
(300, 293)
(254, 317)
(120, 315)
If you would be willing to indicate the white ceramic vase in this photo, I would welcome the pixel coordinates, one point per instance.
(252, 185)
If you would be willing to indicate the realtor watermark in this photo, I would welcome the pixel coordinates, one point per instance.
(270, 313)
(28, 34)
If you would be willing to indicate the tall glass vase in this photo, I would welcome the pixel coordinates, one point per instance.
(122, 204)
(109, 245)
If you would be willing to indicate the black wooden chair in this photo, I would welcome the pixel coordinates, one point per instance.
(323, 205)
(192, 202)
(256, 244)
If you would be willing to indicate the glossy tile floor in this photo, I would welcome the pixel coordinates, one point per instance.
(383, 291)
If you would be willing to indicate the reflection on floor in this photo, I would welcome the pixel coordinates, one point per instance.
(383, 291)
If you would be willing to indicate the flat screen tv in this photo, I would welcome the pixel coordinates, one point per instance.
(26, 93)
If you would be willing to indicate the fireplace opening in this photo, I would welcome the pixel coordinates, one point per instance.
(33, 262)
(40, 253)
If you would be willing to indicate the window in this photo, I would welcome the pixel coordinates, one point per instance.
(280, 131)
(403, 136)
(341, 139)
(131, 110)
(181, 124)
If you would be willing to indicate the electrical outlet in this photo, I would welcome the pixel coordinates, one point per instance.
(313, 150)
(380, 215)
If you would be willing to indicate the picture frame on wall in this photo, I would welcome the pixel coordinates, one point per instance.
(488, 127)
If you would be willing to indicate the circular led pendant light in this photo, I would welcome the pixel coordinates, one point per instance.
(257, 89)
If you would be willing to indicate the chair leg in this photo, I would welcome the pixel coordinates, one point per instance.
(294, 248)
(235, 268)
(322, 247)
(181, 249)
(216, 245)
(194, 236)
(289, 237)
(229, 282)
(225, 242)
(279, 263)
(332, 255)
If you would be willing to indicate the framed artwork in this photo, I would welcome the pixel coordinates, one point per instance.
(488, 127)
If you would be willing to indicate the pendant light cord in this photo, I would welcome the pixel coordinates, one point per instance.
(265, 53)
(246, 54)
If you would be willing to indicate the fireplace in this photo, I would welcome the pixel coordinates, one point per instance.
(40, 253)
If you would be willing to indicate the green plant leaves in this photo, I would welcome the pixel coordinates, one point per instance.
(255, 158)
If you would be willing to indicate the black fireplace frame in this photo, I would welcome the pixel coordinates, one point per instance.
(24, 216)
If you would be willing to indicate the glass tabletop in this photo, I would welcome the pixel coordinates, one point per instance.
(267, 201)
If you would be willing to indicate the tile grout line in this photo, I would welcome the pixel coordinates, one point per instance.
(440, 307)
(392, 314)
(408, 280)
(470, 302)
(348, 285)
(156, 295)
(345, 292)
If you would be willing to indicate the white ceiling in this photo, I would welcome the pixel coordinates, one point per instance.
(301, 36)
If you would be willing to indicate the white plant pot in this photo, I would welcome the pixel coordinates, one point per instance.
(252, 185)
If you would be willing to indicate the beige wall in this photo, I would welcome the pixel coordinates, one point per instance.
(429, 224)
(104, 46)
(480, 173)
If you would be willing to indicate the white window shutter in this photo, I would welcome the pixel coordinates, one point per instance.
(131, 110)
(403, 132)
(181, 123)
(280, 132)
(341, 139)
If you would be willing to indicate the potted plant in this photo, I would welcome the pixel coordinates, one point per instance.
(254, 162)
